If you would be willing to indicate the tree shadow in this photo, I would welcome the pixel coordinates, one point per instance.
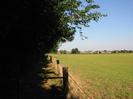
(28, 83)
(33, 86)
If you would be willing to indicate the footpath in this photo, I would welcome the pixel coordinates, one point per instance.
(42, 87)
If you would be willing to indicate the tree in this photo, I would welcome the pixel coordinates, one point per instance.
(24, 23)
(75, 51)
(30, 28)
(72, 15)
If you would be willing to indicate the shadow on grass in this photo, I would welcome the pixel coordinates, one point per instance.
(33, 87)
(27, 83)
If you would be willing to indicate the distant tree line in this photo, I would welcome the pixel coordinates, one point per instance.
(73, 51)
(122, 51)
(77, 51)
(63, 51)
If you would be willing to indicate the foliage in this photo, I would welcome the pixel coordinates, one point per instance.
(27, 25)
(30, 28)
(75, 51)
(72, 15)
(122, 51)
(45, 23)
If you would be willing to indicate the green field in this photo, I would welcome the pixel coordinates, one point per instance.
(103, 76)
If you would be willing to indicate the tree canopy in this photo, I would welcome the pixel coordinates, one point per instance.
(44, 23)
(73, 14)
(30, 28)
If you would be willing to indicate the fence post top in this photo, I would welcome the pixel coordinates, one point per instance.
(58, 62)
(65, 67)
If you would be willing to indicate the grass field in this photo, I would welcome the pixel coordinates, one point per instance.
(103, 76)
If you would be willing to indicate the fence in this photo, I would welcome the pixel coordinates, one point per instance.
(70, 85)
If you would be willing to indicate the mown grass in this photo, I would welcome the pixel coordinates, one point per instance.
(102, 76)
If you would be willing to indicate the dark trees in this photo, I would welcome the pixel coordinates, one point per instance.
(27, 31)
(27, 25)
(30, 28)
(75, 51)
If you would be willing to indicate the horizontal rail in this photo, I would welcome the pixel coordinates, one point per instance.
(53, 78)
(68, 79)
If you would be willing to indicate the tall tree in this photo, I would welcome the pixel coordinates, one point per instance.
(30, 28)
(72, 15)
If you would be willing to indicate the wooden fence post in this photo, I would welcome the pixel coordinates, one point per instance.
(65, 79)
(51, 59)
(58, 62)
(58, 71)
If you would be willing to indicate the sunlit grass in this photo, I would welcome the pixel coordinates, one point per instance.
(103, 76)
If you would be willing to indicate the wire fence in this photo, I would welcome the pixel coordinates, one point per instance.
(71, 86)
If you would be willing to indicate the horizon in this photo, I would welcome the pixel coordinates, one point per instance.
(114, 32)
(99, 50)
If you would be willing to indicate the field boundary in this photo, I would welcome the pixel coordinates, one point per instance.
(71, 86)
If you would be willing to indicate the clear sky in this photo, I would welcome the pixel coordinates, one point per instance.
(114, 32)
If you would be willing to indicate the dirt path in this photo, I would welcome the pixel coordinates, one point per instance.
(45, 89)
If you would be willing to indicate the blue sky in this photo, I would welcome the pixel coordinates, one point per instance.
(114, 32)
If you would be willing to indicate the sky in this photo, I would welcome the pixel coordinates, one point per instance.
(114, 32)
